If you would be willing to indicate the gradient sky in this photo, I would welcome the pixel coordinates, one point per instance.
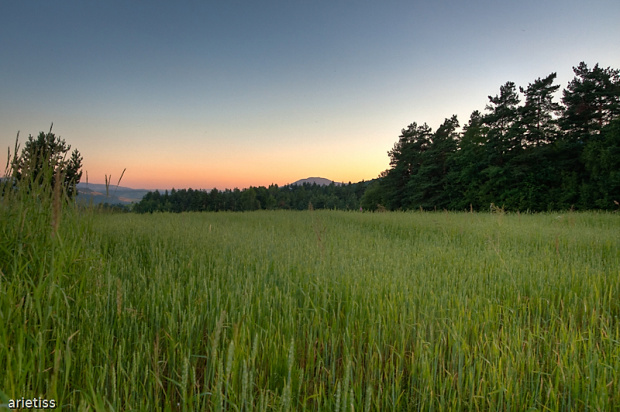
(231, 94)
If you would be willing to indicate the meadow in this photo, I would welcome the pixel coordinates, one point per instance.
(310, 310)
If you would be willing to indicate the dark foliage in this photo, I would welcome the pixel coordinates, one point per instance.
(296, 197)
(526, 152)
(45, 161)
(539, 155)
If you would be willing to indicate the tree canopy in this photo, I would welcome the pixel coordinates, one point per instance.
(295, 197)
(45, 161)
(525, 152)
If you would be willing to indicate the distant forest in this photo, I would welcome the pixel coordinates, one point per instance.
(296, 197)
(525, 152)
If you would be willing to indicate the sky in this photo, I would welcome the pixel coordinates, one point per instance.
(225, 94)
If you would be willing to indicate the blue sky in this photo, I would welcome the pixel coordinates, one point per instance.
(231, 94)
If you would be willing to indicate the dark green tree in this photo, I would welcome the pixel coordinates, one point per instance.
(591, 100)
(429, 185)
(539, 113)
(502, 144)
(469, 162)
(529, 170)
(248, 199)
(215, 201)
(406, 158)
(536, 156)
(45, 161)
(503, 135)
(601, 158)
(373, 197)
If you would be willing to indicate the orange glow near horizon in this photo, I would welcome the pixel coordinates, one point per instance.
(258, 172)
(166, 166)
(209, 179)
(233, 95)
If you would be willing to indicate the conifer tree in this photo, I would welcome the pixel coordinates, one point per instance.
(43, 161)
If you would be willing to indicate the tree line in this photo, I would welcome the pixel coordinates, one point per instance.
(295, 197)
(526, 151)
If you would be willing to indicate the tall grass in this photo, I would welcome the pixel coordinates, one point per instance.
(315, 310)
(43, 264)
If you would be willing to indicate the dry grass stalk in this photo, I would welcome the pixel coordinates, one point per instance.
(108, 181)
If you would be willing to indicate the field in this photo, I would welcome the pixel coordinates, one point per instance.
(312, 310)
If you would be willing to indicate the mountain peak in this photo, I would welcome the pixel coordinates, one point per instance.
(321, 181)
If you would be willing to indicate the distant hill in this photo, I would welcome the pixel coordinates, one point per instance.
(321, 181)
(116, 194)
(96, 192)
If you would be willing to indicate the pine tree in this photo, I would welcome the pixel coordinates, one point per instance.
(503, 135)
(428, 186)
(538, 115)
(43, 161)
(591, 100)
(406, 158)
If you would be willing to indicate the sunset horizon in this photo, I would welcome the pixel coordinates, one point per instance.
(237, 95)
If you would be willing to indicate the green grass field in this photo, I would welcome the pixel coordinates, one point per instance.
(313, 310)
